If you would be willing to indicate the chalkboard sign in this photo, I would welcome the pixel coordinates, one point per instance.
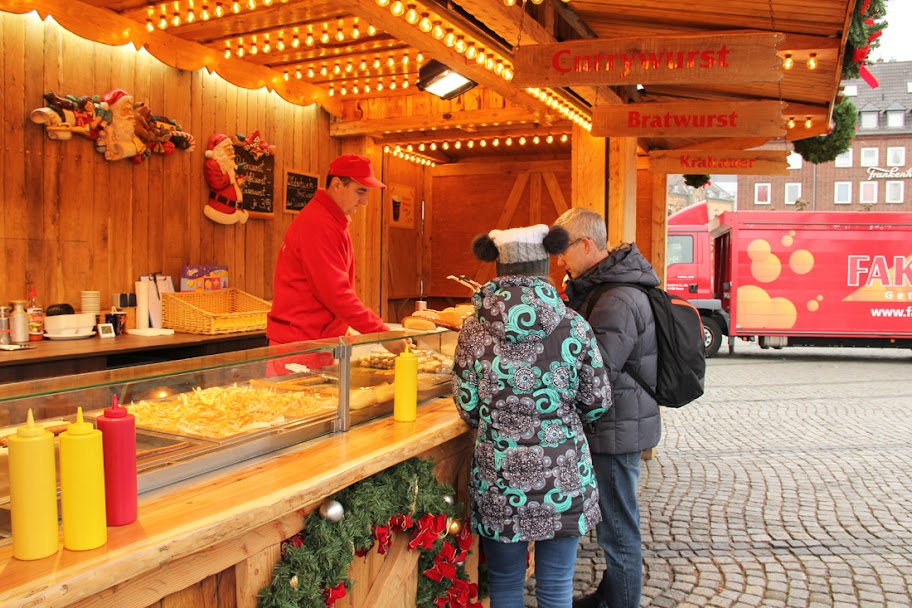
(259, 177)
(300, 187)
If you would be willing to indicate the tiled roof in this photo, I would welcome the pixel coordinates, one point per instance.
(894, 88)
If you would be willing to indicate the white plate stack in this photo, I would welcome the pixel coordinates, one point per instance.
(91, 302)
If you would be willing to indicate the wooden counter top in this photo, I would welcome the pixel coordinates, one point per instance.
(195, 530)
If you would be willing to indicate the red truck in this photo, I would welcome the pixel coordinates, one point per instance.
(795, 278)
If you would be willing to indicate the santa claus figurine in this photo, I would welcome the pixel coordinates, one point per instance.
(225, 196)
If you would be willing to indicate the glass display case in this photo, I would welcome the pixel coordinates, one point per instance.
(198, 415)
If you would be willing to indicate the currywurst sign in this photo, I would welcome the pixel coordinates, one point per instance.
(690, 119)
(755, 162)
(717, 59)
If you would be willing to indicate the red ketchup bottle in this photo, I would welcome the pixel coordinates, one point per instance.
(118, 435)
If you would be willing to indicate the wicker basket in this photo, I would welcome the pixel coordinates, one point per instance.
(213, 312)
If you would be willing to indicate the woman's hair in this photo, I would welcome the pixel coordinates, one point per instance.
(585, 223)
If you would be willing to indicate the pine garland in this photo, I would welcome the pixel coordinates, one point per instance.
(866, 26)
(696, 181)
(316, 561)
(825, 148)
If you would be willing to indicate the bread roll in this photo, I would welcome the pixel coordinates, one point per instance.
(361, 397)
(451, 318)
(384, 392)
(418, 323)
(426, 314)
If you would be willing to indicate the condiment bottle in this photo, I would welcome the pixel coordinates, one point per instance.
(35, 316)
(82, 487)
(405, 403)
(19, 333)
(33, 491)
(118, 436)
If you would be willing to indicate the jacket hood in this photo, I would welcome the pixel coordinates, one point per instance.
(625, 264)
(517, 308)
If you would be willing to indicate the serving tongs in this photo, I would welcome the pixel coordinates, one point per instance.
(465, 282)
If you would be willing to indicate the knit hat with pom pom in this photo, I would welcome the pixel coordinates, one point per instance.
(521, 250)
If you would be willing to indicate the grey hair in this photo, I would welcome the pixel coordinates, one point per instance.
(585, 223)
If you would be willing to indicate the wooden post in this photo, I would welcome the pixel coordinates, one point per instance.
(366, 228)
(622, 178)
(588, 158)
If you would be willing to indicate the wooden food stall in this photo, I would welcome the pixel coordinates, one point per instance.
(215, 511)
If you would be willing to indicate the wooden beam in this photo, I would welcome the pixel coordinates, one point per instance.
(456, 120)
(622, 183)
(588, 160)
(382, 18)
(107, 27)
(494, 168)
(438, 135)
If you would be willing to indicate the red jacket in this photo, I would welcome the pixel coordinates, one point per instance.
(314, 279)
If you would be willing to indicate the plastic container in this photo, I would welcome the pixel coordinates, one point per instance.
(118, 436)
(82, 486)
(19, 331)
(4, 325)
(33, 492)
(405, 401)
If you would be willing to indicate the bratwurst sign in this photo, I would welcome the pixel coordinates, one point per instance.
(716, 59)
(690, 119)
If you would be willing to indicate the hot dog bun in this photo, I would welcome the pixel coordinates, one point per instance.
(418, 323)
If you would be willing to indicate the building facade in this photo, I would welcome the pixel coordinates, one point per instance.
(874, 175)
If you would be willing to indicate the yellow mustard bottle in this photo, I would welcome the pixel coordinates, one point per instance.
(33, 492)
(82, 488)
(405, 401)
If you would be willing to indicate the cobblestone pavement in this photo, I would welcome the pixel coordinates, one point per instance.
(789, 483)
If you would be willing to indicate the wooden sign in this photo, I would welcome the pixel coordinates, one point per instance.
(259, 175)
(689, 119)
(740, 162)
(300, 187)
(710, 58)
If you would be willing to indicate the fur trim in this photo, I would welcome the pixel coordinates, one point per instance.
(484, 248)
(556, 241)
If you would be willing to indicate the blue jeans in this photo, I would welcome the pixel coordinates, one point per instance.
(554, 563)
(619, 532)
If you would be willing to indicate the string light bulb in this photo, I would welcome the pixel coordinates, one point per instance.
(437, 32)
(460, 46)
(397, 8)
(471, 51)
(812, 62)
(450, 38)
(412, 16)
(808, 123)
(791, 123)
(383, 3)
(425, 24)
(789, 63)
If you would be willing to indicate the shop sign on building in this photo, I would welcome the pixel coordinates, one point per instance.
(740, 162)
(710, 58)
(891, 173)
(708, 119)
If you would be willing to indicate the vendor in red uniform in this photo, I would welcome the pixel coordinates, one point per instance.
(315, 272)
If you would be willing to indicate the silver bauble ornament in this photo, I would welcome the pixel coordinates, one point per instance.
(332, 510)
(449, 500)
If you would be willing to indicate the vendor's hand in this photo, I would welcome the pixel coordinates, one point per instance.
(396, 347)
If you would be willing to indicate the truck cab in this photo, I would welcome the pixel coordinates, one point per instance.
(689, 272)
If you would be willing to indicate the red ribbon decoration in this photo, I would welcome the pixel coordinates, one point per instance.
(429, 530)
(331, 594)
(464, 542)
(366, 550)
(443, 564)
(401, 523)
(384, 539)
(868, 77)
(864, 7)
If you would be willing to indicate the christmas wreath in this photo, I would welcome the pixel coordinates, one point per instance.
(825, 148)
(866, 27)
(696, 181)
(403, 498)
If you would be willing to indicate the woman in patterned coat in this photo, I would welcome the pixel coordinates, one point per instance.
(528, 374)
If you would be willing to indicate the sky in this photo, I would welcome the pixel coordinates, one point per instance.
(895, 43)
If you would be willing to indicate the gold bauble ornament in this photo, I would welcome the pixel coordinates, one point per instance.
(454, 526)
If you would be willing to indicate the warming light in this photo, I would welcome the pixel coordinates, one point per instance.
(438, 79)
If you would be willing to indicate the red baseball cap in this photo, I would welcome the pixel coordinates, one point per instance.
(356, 167)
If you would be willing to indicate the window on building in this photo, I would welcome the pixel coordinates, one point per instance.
(896, 119)
(894, 192)
(844, 159)
(869, 157)
(680, 249)
(867, 192)
(896, 157)
(850, 90)
(842, 194)
(794, 160)
(909, 87)
(761, 194)
(792, 193)
(869, 120)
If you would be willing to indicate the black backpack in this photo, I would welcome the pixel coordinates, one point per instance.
(679, 334)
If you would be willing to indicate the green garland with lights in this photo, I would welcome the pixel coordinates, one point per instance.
(315, 563)
(825, 148)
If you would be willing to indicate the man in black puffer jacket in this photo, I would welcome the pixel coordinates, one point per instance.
(625, 329)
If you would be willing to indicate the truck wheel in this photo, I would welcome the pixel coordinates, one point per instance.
(712, 336)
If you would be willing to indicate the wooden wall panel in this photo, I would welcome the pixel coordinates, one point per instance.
(74, 221)
(472, 198)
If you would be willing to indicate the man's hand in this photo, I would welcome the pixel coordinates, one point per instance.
(397, 347)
